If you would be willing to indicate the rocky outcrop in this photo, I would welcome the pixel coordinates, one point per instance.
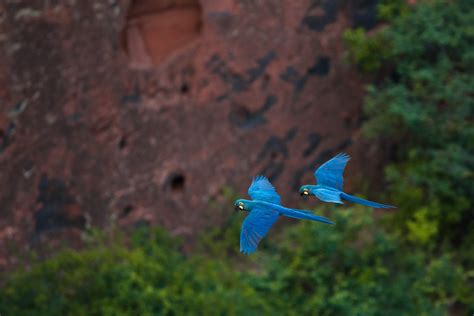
(139, 113)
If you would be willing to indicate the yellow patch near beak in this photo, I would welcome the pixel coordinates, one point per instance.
(305, 192)
(241, 207)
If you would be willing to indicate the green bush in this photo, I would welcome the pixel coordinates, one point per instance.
(352, 268)
(151, 277)
(424, 109)
(356, 268)
(369, 53)
(427, 112)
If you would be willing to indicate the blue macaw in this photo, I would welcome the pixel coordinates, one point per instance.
(264, 209)
(329, 181)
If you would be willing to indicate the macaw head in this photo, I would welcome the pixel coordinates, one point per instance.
(305, 190)
(242, 205)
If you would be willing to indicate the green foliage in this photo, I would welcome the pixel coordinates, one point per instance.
(426, 110)
(389, 10)
(151, 277)
(356, 268)
(367, 52)
(370, 53)
(352, 268)
(421, 229)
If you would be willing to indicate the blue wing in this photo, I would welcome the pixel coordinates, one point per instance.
(255, 227)
(330, 173)
(261, 189)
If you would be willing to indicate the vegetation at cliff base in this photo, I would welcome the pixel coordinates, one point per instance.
(424, 108)
(353, 268)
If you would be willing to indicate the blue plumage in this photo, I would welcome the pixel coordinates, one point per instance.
(330, 173)
(355, 199)
(262, 189)
(330, 180)
(264, 210)
(255, 227)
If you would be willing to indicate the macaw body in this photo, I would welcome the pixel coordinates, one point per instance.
(329, 178)
(264, 210)
(325, 193)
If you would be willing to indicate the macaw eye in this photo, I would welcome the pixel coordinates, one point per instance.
(304, 192)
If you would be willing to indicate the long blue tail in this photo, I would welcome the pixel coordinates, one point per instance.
(300, 214)
(354, 199)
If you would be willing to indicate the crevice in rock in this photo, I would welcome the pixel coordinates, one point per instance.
(122, 142)
(184, 88)
(156, 29)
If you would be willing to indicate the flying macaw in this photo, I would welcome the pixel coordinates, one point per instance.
(264, 209)
(330, 180)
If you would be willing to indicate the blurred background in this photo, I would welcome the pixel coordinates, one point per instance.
(128, 127)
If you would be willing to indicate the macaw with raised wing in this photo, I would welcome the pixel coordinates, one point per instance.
(264, 210)
(329, 179)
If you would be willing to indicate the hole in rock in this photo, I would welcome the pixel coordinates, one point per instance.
(127, 210)
(155, 29)
(184, 88)
(176, 182)
(122, 142)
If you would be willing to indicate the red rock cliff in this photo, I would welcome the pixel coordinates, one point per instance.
(141, 112)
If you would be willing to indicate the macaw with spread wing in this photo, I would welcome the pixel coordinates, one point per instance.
(264, 210)
(330, 180)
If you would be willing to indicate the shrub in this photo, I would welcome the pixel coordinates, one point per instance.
(352, 268)
(152, 277)
(425, 110)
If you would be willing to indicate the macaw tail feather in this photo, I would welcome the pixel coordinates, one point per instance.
(354, 199)
(300, 214)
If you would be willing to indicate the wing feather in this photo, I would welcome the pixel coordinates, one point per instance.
(261, 189)
(331, 172)
(255, 227)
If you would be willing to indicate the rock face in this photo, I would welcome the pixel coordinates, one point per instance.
(129, 113)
